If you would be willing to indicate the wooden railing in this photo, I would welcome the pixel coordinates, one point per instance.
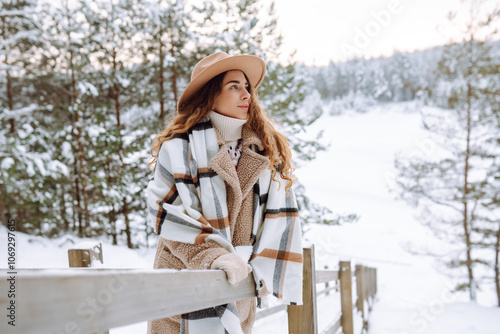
(91, 300)
(303, 319)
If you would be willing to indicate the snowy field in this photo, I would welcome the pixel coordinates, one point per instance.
(354, 176)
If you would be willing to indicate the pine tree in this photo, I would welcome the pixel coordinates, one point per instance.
(65, 61)
(112, 39)
(25, 158)
(168, 25)
(403, 79)
(457, 183)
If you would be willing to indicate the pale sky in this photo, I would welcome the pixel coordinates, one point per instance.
(321, 30)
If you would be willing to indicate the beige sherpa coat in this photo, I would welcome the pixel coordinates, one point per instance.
(240, 203)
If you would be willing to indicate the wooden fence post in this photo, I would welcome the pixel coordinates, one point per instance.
(369, 272)
(302, 319)
(373, 285)
(371, 281)
(363, 291)
(368, 285)
(346, 297)
(82, 258)
(327, 284)
(360, 290)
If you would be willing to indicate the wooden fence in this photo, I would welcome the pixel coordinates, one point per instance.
(303, 319)
(64, 301)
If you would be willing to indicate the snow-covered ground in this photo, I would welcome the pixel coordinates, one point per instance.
(352, 177)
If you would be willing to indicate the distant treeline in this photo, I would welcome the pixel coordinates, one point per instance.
(403, 76)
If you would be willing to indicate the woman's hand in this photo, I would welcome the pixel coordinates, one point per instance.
(235, 268)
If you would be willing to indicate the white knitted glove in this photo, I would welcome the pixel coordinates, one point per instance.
(235, 268)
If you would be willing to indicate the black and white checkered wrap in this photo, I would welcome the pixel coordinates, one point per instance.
(187, 203)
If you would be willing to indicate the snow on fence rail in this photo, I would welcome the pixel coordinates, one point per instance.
(76, 300)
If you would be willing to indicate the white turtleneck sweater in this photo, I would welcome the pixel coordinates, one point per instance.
(230, 129)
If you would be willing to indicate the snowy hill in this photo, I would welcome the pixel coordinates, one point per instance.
(353, 176)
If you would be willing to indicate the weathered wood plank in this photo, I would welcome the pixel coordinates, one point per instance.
(89, 300)
(82, 258)
(302, 319)
(360, 290)
(333, 328)
(269, 311)
(346, 297)
(323, 276)
(327, 290)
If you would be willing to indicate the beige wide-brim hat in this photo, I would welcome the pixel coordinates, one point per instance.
(220, 62)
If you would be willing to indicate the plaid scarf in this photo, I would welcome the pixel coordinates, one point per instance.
(187, 203)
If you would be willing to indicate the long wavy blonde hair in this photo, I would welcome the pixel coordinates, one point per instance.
(275, 144)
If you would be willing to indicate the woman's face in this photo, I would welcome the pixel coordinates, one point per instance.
(233, 99)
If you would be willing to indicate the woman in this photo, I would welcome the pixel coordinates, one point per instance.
(221, 196)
